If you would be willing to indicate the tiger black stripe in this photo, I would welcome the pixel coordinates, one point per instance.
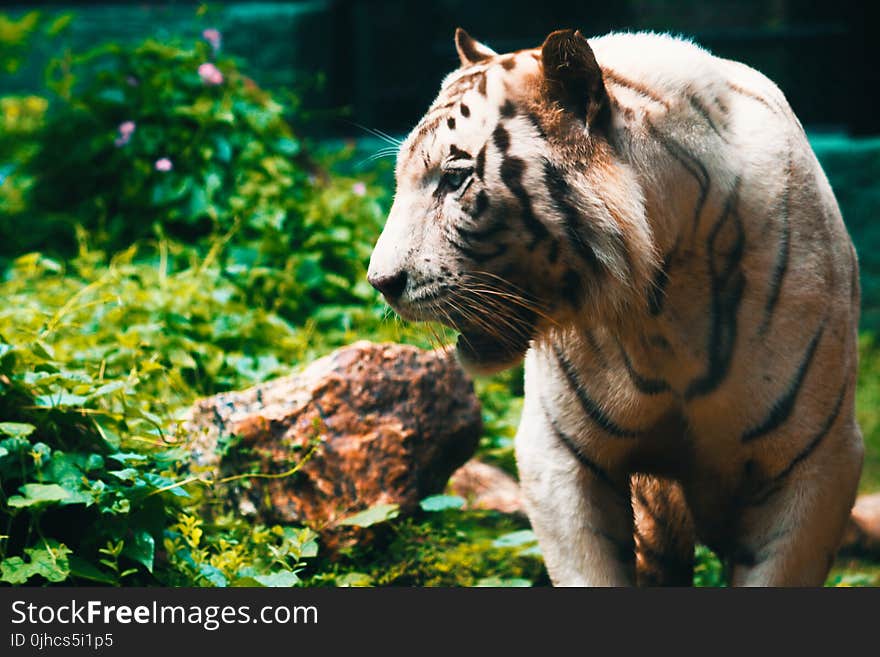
(657, 293)
(480, 163)
(495, 227)
(508, 109)
(512, 169)
(574, 223)
(647, 507)
(450, 123)
(854, 277)
(690, 163)
(727, 283)
(475, 80)
(536, 124)
(782, 254)
(481, 204)
(591, 408)
(784, 405)
(455, 153)
(476, 256)
(644, 385)
(597, 471)
(573, 288)
(775, 484)
(642, 90)
(701, 109)
(742, 91)
(501, 138)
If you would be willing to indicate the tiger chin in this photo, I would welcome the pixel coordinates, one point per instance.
(646, 225)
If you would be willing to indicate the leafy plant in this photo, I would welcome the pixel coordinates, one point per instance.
(162, 132)
(236, 554)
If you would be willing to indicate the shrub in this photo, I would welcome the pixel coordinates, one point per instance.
(162, 133)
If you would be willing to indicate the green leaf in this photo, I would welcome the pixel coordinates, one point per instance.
(284, 578)
(113, 96)
(108, 435)
(309, 549)
(17, 429)
(60, 399)
(50, 560)
(59, 24)
(224, 150)
(503, 581)
(128, 475)
(141, 549)
(288, 146)
(43, 494)
(82, 569)
(441, 503)
(158, 481)
(123, 457)
(213, 575)
(372, 516)
(107, 389)
(354, 579)
(515, 539)
(15, 571)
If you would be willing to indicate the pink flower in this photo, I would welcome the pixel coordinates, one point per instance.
(126, 130)
(132, 81)
(210, 74)
(213, 37)
(163, 164)
(359, 189)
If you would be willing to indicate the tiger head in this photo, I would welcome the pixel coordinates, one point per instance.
(514, 214)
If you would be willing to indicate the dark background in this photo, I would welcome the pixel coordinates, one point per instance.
(382, 60)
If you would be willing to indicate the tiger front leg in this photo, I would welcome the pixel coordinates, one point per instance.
(581, 514)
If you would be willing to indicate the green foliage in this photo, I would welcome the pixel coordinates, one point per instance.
(854, 572)
(868, 409)
(501, 397)
(441, 503)
(15, 37)
(161, 132)
(165, 140)
(257, 263)
(372, 516)
(708, 569)
(448, 547)
(49, 561)
(235, 553)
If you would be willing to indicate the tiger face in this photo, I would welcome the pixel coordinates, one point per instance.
(486, 232)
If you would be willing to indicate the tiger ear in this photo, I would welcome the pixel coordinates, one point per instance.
(470, 51)
(572, 78)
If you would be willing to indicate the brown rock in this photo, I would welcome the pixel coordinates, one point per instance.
(485, 486)
(389, 423)
(862, 536)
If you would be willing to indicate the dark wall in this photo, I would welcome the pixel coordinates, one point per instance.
(392, 54)
(383, 59)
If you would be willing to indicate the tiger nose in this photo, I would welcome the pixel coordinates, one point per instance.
(391, 286)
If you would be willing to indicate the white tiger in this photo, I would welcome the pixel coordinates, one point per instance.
(647, 224)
